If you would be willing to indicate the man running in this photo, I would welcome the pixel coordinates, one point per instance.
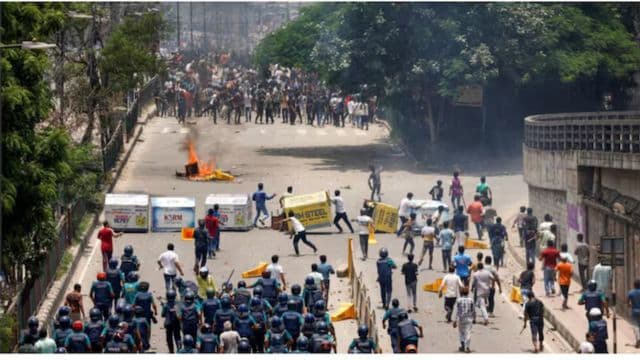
(299, 233)
(341, 213)
(534, 313)
(364, 223)
(260, 197)
(374, 181)
(463, 316)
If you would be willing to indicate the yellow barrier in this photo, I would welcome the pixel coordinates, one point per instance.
(433, 287)
(256, 271)
(516, 295)
(345, 312)
(187, 233)
(475, 244)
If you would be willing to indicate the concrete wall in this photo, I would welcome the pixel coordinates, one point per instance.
(626, 182)
(552, 202)
(546, 169)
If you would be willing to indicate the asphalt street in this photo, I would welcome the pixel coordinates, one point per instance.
(310, 159)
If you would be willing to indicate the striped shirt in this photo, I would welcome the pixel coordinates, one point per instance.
(463, 309)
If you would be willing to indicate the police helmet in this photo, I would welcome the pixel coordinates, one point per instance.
(61, 350)
(319, 305)
(309, 318)
(592, 285)
(302, 343)
(189, 297)
(204, 272)
(403, 316)
(322, 327)
(296, 289)
(113, 263)
(283, 298)
(171, 295)
(242, 284)
(257, 291)
(95, 314)
(114, 320)
(188, 341)
(292, 305)
(243, 308)
(363, 330)
(255, 302)
(127, 311)
(211, 293)
(64, 311)
(33, 322)
(128, 250)
(120, 305)
(65, 322)
(309, 281)
(244, 346)
(132, 276)
(101, 276)
(205, 328)
(225, 302)
(384, 253)
(276, 322)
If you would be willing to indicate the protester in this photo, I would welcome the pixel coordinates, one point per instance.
(452, 284)
(364, 223)
(481, 282)
(447, 239)
(341, 213)
(326, 270)
(565, 272)
(169, 263)
(518, 222)
(404, 211)
(276, 271)
(463, 318)
(74, 301)
(633, 301)
(530, 228)
(374, 181)
(475, 211)
(492, 290)
(260, 198)
(410, 272)
(534, 313)
(437, 191)
(583, 253)
(299, 233)
(106, 235)
(549, 257)
(201, 243)
(497, 236)
(212, 225)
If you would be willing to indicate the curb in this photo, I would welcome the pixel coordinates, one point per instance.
(46, 314)
(548, 315)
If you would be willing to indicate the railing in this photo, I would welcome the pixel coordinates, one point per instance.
(616, 132)
(365, 313)
(112, 149)
(144, 98)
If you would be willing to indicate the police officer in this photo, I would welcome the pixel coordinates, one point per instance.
(363, 344)
(311, 293)
(277, 339)
(130, 288)
(189, 316)
(321, 314)
(144, 299)
(282, 305)
(171, 322)
(393, 317)
(117, 344)
(241, 295)
(115, 277)
(260, 327)
(407, 334)
(292, 321)
(64, 329)
(94, 328)
(142, 328)
(30, 335)
(78, 341)
(309, 326)
(385, 268)
(593, 298)
(189, 345)
(62, 311)
(110, 329)
(295, 296)
(209, 306)
(208, 342)
(244, 323)
(598, 330)
(223, 315)
(102, 294)
(127, 324)
(270, 287)
(302, 345)
(322, 342)
(264, 304)
(128, 261)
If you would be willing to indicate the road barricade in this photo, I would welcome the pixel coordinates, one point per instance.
(312, 210)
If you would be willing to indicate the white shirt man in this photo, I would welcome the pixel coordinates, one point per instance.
(229, 339)
(297, 225)
(451, 283)
(169, 262)
(338, 202)
(276, 270)
(405, 207)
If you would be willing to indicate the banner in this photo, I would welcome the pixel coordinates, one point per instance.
(172, 219)
(127, 218)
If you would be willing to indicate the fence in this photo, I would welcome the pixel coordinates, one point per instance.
(617, 132)
(364, 311)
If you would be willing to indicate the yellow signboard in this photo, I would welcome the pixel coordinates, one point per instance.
(385, 218)
(313, 210)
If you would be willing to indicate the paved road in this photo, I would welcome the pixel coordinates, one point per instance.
(309, 159)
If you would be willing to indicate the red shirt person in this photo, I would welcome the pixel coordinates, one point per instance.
(549, 256)
(475, 211)
(212, 224)
(106, 235)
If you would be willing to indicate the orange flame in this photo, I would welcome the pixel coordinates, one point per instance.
(204, 168)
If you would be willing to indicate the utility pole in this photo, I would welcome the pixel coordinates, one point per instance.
(178, 23)
(191, 22)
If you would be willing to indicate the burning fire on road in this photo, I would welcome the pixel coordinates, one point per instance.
(198, 170)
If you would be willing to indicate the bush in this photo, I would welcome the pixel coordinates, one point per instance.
(7, 332)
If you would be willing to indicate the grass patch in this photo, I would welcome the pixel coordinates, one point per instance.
(65, 263)
(84, 225)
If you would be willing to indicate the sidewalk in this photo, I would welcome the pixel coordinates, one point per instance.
(572, 323)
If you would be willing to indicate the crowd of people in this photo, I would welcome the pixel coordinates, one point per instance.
(213, 86)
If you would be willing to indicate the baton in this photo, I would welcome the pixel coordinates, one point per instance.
(228, 279)
(521, 331)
